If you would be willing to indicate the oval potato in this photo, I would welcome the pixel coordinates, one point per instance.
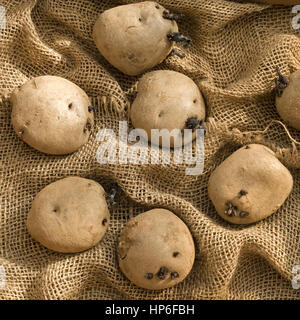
(156, 250)
(52, 115)
(69, 215)
(288, 104)
(249, 185)
(133, 37)
(166, 100)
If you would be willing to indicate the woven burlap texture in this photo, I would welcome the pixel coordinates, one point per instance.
(235, 48)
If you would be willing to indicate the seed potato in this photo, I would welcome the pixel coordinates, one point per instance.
(249, 185)
(288, 99)
(133, 37)
(167, 100)
(52, 115)
(69, 215)
(156, 250)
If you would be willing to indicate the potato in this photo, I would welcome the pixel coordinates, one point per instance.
(136, 37)
(249, 185)
(156, 250)
(167, 100)
(69, 215)
(288, 98)
(52, 115)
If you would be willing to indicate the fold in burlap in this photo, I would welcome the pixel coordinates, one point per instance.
(232, 58)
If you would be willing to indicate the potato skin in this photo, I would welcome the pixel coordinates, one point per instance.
(43, 117)
(165, 100)
(67, 215)
(288, 105)
(133, 37)
(154, 239)
(256, 170)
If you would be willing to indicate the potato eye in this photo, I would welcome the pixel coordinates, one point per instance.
(281, 83)
(149, 276)
(88, 126)
(91, 108)
(174, 275)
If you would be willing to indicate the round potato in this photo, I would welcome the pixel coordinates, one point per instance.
(52, 115)
(156, 250)
(288, 99)
(69, 215)
(134, 37)
(167, 100)
(249, 185)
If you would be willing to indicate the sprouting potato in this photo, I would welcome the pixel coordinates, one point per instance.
(69, 215)
(288, 98)
(168, 100)
(136, 37)
(156, 250)
(52, 115)
(249, 185)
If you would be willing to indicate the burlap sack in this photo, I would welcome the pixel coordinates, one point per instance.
(235, 49)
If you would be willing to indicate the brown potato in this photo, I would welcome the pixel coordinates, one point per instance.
(167, 100)
(288, 100)
(249, 185)
(156, 250)
(69, 215)
(52, 115)
(134, 37)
